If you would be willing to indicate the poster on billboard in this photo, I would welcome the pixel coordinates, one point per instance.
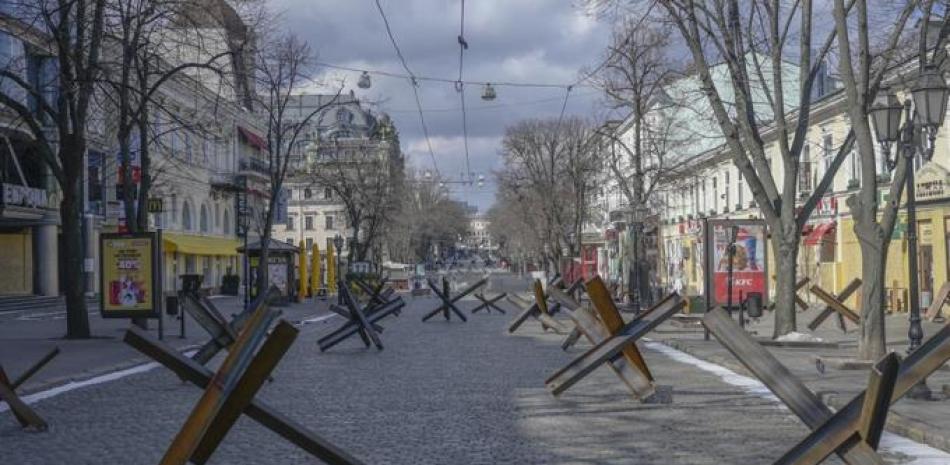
(128, 275)
(749, 264)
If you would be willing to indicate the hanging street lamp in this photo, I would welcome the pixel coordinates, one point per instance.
(488, 94)
(364, 81)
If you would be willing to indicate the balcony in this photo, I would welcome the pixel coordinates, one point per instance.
(254, 167)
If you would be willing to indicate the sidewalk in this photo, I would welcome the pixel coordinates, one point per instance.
(923, 421)
(25, 337)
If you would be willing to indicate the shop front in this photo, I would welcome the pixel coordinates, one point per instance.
(211, 257)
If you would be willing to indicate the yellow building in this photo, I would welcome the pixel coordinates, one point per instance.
(829, 255)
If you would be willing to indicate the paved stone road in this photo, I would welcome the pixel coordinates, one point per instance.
(441, 393)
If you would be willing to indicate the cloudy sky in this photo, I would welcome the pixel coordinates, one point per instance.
(535, 41)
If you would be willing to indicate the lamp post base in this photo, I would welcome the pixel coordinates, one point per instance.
(920, 391)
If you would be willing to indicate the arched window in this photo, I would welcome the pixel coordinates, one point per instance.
(227, 221)
(186, 216)
(203, 219)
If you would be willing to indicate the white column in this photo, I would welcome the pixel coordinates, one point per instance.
(46, 261)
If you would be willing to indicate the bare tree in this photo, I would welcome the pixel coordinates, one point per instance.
(862, 65)
(427, 216)
(755, 44)
(71, 32)
(283, 65)
(365, 175)
(551, 171)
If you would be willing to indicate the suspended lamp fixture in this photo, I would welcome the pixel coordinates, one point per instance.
(364, 81)
(488, 93)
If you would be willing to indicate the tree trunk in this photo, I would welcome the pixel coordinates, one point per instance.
(786, 256)
(70, 212)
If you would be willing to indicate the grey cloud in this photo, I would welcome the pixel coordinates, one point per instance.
(523, 40)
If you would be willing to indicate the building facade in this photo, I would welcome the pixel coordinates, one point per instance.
(343, 148)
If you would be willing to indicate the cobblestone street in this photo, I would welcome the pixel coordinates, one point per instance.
(440, 393)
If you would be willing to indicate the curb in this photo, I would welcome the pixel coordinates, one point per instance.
(896, 423)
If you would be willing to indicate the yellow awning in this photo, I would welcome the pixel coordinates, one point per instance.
(200, 245)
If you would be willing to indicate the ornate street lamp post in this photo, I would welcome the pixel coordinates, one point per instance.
(929, 107)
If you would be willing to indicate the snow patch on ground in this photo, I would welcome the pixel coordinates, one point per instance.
(795, 336)
(917, 453)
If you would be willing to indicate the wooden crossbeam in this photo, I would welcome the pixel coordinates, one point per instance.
(25, 415)
(257, 410)
(361, 321)
(790, 390)
(589, 325)
(829, 310)
(448, 300)
(489, 304)
(621, 339)
(936, 307)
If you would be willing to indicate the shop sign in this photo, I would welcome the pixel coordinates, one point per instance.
(15, 195)
(933, 181)
(128, 275)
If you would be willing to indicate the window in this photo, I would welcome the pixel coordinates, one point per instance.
(290, 240)
(186, 216)
(328, 193)
(329, 224)
(739, 189)
(855, 180)
(291, 219)
(308, 223)
(307, 193)
(715, 202)
(827, 146)
(226, 222)
(703, 197)
(725, 188)
(203, 219)
(309, 243)
(804, 172)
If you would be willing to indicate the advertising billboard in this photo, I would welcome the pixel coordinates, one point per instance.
(128, 275)
(749, 263)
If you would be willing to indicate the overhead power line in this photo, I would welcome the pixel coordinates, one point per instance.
(413, 82)
(418, 78)
(460, 87)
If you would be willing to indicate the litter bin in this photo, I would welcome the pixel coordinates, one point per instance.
(171, 305)
(753, 304)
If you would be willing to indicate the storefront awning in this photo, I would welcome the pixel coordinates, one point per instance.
(820, 232)
(252, 139)
(199, 245)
